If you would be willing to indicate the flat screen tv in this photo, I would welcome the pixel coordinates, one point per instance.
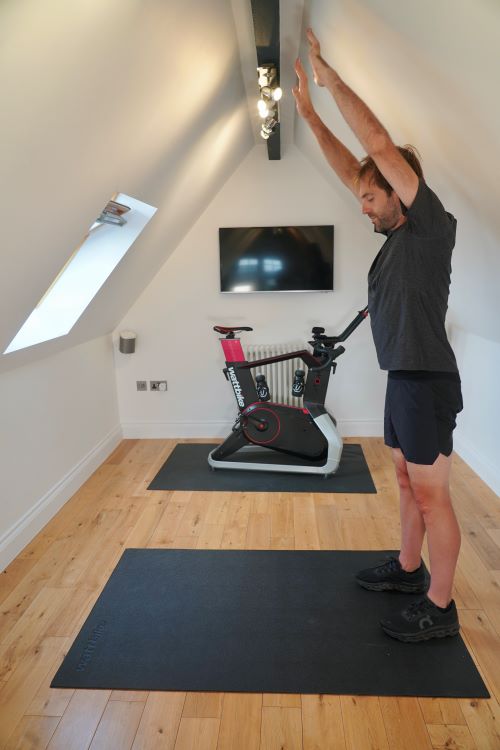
(276, 259)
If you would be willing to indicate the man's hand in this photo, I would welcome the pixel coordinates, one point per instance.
(338, 156)
(301, 93)
(320, 67)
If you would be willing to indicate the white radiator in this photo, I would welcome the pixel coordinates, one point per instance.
(279, 375)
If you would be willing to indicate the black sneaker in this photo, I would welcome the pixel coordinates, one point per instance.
(422, 620)
(390, 576)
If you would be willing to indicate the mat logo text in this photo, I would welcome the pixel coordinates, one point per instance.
(91, 646)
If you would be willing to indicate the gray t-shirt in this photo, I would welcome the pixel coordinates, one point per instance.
(408, 289)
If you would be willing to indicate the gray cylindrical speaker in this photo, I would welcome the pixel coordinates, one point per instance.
(127, 342)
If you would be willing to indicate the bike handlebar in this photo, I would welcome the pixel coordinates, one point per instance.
(362, 314)
(332, 356)
(318, 333)
(326, 344)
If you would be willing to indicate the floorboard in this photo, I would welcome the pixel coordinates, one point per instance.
(48, 590)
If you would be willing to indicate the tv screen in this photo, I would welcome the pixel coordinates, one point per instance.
(276, 259)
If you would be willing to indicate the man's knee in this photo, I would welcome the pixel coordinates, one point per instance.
(430, 484)
(429, 496)
(402, 475)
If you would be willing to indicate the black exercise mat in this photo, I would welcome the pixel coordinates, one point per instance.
(256, 621)
(187, 469)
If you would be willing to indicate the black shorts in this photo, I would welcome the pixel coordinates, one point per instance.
(420, 413)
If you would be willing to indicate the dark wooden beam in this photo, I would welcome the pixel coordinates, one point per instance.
(266, 24)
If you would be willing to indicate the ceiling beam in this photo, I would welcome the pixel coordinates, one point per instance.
(266, 24)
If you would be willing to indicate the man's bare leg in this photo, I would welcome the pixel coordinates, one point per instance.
(412, 522)
(430, 488)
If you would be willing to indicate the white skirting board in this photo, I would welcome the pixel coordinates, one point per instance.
(26, 528)
(222, 428)
(347, 428)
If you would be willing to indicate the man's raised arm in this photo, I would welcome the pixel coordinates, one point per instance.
(338, 156)
(368, 130)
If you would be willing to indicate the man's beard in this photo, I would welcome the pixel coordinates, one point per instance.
(386, 223)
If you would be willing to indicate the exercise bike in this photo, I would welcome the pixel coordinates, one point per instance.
(277, 437)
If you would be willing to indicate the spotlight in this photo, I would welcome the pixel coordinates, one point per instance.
(263, 77)
(263, 108)
(270, 95)
(269, 125)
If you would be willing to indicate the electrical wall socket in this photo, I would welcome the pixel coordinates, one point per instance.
(158, 385)
(142, 385)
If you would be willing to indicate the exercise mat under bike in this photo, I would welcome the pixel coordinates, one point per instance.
(187, 469)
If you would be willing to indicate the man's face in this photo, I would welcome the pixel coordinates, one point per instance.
(383, 210)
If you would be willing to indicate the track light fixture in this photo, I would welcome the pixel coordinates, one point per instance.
(270, 94)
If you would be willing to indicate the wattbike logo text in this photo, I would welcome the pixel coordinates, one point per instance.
(237, 387)
(88, 651)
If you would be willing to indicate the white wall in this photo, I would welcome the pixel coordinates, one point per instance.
(474, 335)
(174, 316)
(476, 436)
(59, 421)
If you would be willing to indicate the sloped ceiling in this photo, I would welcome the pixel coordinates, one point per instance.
(430, 71)
(144, 97)
(156, 98)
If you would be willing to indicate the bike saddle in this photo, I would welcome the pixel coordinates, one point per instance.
(229, 331)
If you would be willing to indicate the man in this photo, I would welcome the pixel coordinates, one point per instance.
(408, 288)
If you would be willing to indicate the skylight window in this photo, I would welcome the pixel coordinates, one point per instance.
(107, 241)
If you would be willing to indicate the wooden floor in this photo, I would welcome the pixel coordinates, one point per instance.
(47, 592)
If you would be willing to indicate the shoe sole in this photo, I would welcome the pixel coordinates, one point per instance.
(425, 635)
(407, 588)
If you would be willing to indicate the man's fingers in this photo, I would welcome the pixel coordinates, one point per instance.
(301, 73)
(312, 40)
